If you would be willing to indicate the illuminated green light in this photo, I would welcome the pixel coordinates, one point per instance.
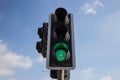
(61, 50)
(60, 55)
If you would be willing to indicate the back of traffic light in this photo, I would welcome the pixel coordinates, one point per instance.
(41, 46)
(60, 48)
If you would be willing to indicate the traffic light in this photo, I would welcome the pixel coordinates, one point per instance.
(60, 48)
(53, 74)
(41, 46)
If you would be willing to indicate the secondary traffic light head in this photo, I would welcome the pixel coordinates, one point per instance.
(41, 46)
(60, 49)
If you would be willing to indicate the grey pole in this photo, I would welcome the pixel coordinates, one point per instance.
(63, 74)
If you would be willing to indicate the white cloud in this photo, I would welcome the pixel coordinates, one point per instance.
(10, 60)
(87, 9)
(106, 78)
(87, 72)
(98, 3)
(12, 79)
(5, 71)
(13, 60)
(39, 59)
(91, 8)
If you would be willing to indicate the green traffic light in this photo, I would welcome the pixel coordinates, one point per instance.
(60, 55)
(61, 50)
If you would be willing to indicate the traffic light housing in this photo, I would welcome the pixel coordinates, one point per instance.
(41, 46)
(60, 47)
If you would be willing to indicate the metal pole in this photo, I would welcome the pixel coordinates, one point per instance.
(63, 74)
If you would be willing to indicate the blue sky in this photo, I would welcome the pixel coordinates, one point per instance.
(97, 38)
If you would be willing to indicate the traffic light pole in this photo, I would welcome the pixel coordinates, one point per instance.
(63, 75)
